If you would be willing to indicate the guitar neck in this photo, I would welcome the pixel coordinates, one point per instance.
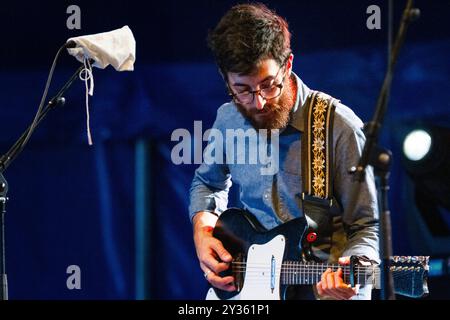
(299, 273)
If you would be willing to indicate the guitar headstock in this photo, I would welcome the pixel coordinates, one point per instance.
(410, 275)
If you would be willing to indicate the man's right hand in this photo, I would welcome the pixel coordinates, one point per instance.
(213, 257)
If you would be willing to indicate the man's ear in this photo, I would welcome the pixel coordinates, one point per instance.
(289, 64)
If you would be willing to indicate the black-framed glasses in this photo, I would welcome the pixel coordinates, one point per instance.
(267, 93)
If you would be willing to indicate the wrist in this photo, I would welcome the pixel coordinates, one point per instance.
(204, 221)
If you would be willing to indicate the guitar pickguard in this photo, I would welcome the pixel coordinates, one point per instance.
(262, 272)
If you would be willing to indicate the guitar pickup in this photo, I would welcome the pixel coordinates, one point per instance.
(272, 273)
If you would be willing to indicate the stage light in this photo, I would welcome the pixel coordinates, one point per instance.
(417, 144)
(426, 158)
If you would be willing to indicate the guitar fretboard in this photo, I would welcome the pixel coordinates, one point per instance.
(298, 273)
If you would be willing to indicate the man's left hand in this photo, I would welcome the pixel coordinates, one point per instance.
(332, 284)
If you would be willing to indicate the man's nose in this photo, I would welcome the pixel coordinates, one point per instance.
(260, 102)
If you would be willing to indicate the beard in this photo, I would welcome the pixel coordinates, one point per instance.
(274, 115)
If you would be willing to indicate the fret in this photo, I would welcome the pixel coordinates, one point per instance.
(315, 270)
(304, 276)
(286, 273)
(307, 268)
(310, 272)
(319, 269)
(305, 271)
(316, 277)
(290, 272)
(293, 271)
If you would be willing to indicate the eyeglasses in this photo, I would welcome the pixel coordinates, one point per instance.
(267, 93)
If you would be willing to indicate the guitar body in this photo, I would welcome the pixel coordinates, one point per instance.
(263, 250)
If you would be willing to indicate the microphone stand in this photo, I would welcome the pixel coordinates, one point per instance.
(381, 158)
(7, 159)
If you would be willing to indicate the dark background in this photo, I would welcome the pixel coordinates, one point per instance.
(118, 209)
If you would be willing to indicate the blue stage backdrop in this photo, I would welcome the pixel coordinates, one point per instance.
(118, 209)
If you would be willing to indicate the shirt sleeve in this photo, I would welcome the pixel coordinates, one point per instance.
(212, 181)
(361, 224)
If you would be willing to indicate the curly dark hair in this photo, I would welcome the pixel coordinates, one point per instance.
(247, 34)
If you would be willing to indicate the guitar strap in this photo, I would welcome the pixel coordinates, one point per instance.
(317, 175)
(317, 148)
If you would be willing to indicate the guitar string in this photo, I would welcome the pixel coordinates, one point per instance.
(306, 279)
(316, 279)
(300, 269)
(298, 263)
(303, 266)
(296, 271)
(313, 273)
(289, 274)
(257, 280)
(306, 273)
(322, 266)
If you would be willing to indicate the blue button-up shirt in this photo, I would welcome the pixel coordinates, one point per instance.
(272, 198)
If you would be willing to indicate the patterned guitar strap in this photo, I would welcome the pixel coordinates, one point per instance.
(317, 165)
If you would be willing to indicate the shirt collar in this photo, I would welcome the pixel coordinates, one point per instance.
(297, 114)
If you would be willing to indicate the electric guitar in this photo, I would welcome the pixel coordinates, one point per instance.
(265, 262)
